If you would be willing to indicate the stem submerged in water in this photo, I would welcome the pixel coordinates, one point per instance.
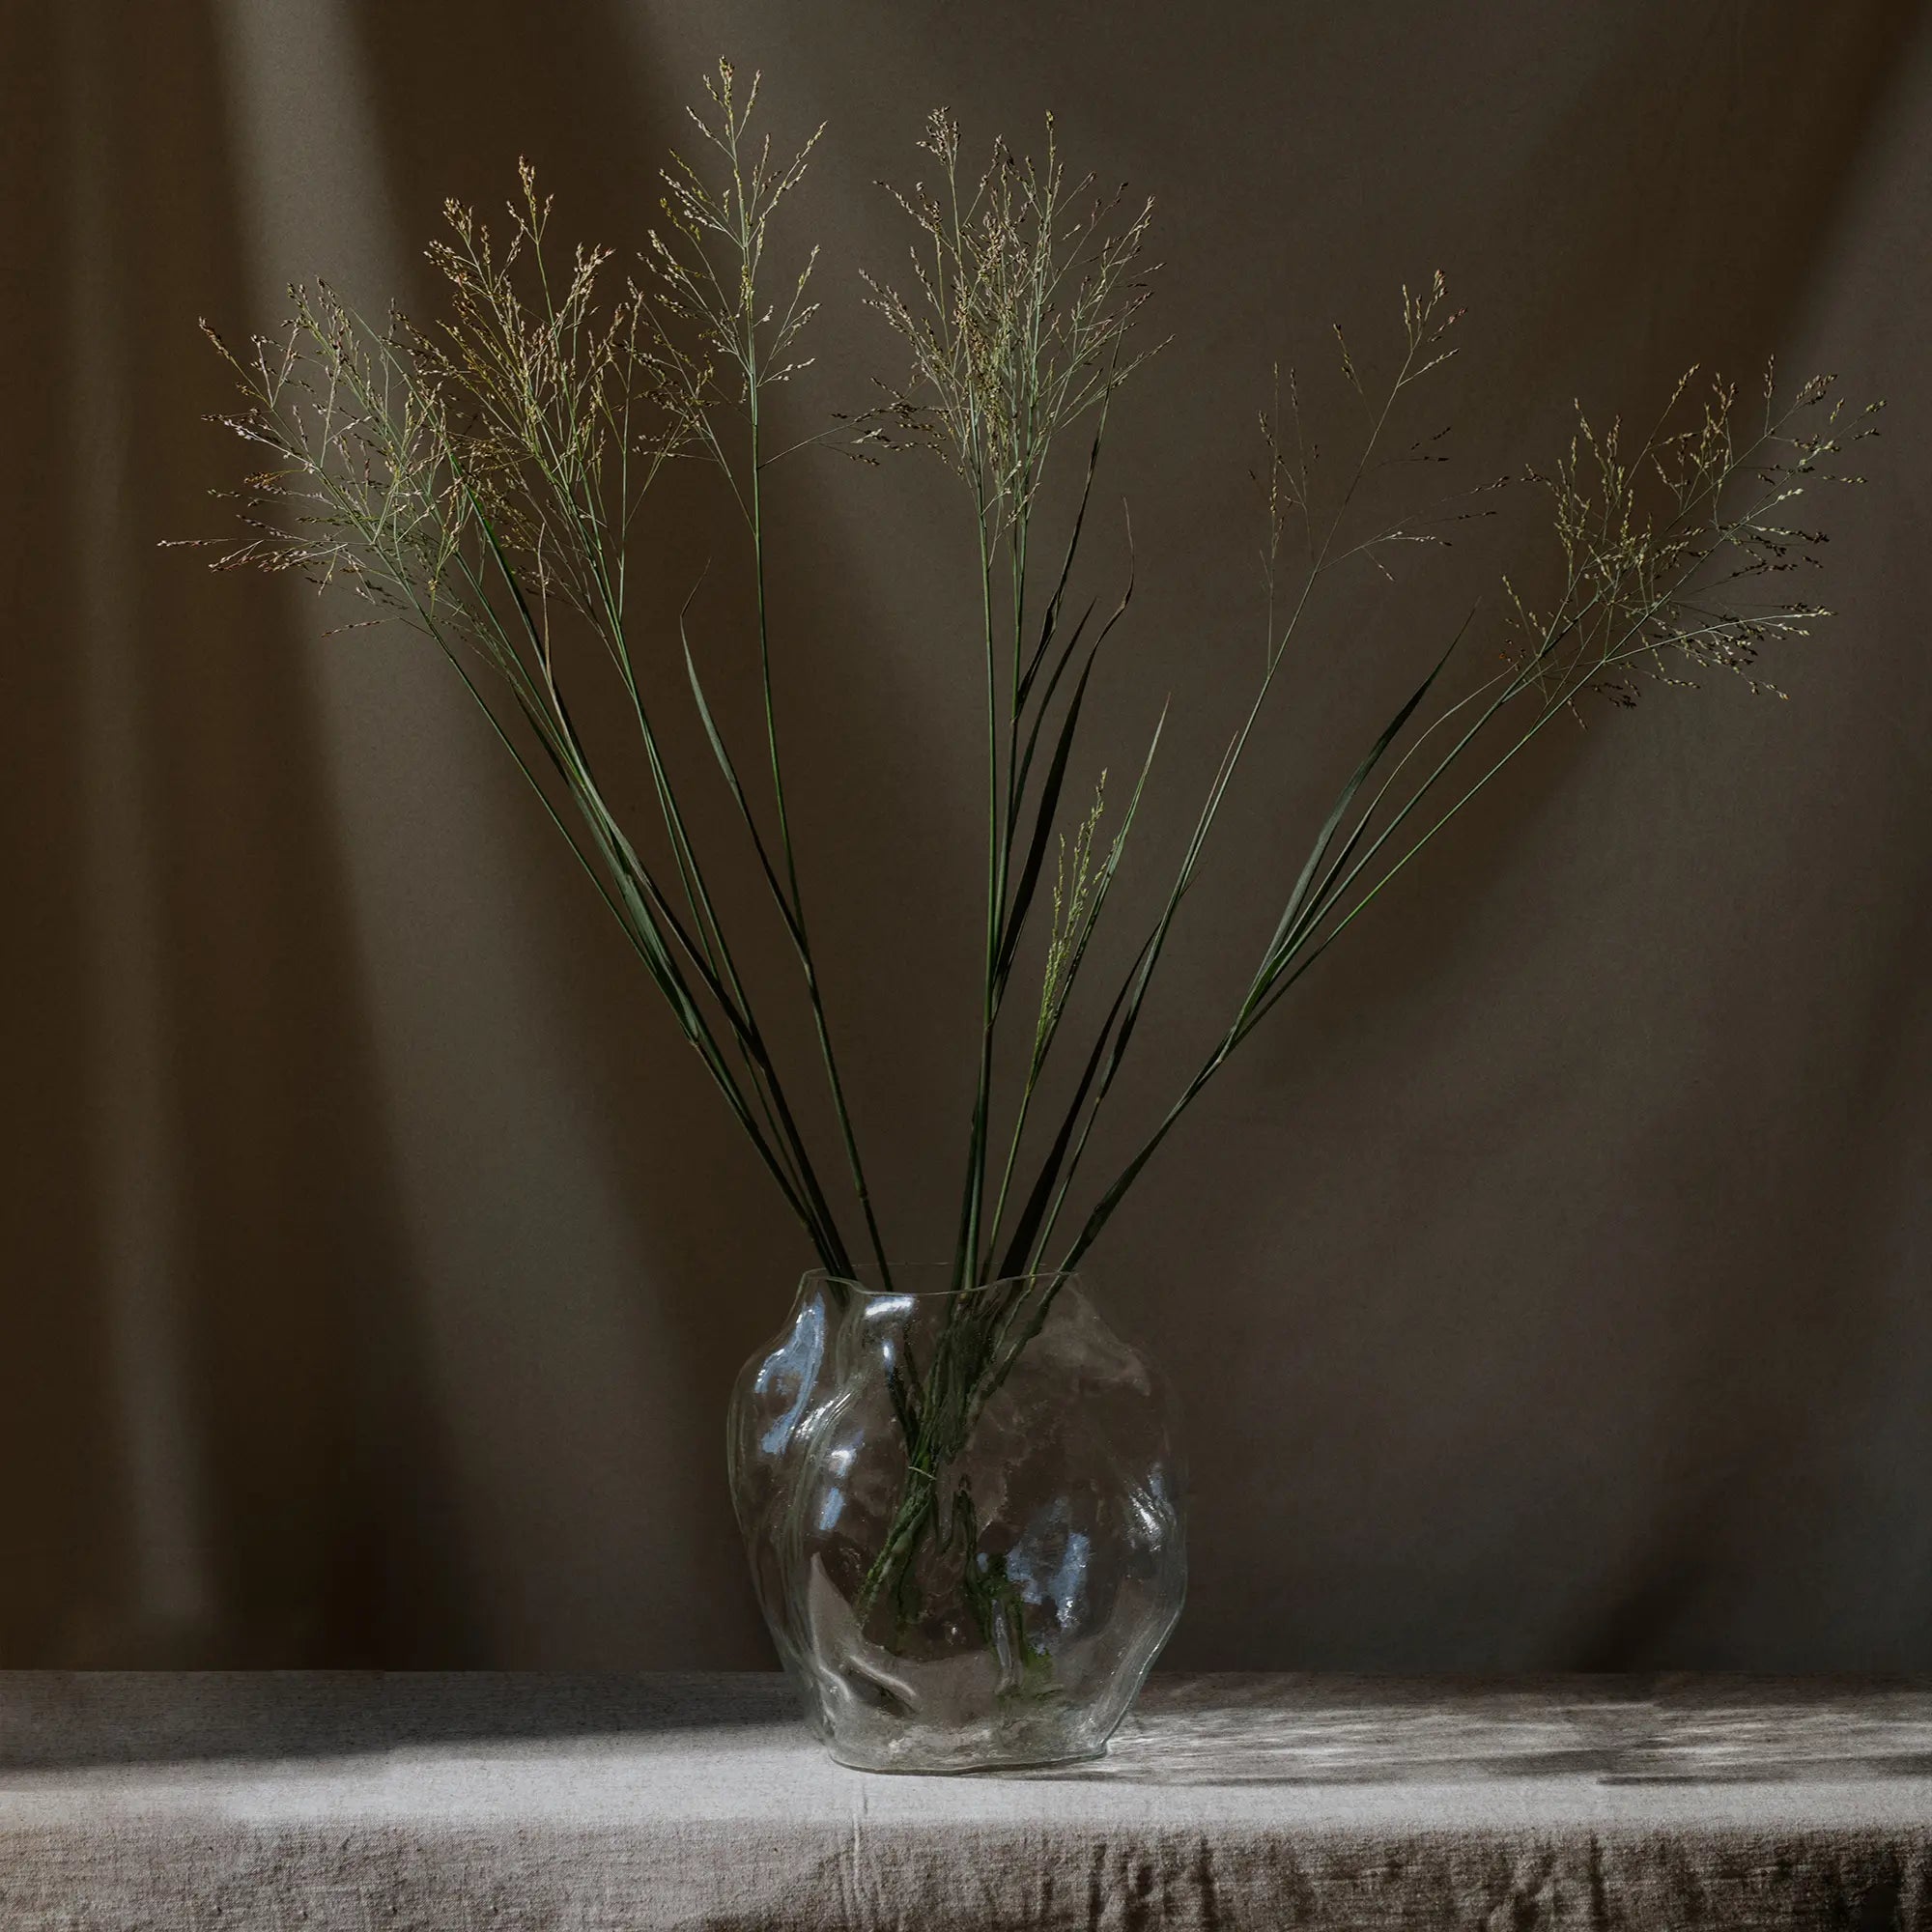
(971, 1357)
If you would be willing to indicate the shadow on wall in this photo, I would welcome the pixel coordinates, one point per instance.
(204, 1239)
(1520, 1052)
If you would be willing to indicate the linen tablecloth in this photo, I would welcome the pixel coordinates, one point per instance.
(382, 1802)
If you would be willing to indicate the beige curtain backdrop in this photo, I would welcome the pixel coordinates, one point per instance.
(1547, 1286)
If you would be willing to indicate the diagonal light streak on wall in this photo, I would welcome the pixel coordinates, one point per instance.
(137, 1177)
(516, 1223)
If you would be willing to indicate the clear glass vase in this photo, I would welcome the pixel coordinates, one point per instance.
(963, 1514)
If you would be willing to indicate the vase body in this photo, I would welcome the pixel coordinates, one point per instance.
(964, 1518)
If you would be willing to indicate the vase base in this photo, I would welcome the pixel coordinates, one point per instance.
(922, 1762)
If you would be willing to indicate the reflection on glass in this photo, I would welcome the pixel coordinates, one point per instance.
(962, 1518)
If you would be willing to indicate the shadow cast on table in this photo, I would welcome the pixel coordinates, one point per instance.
(1656, 1730)
(50, 1720)
(1594, 1767)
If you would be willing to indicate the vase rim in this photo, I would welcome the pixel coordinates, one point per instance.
(925, 1281)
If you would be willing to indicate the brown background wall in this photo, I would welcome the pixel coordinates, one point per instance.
(1546, 1289)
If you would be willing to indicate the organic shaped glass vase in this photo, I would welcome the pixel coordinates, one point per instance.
(963, 1514)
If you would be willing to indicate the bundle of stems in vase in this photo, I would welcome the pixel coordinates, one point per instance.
(478, 476)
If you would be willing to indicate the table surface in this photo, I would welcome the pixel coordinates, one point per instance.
(398, 1799)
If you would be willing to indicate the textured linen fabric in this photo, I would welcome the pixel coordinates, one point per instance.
(453, 1804)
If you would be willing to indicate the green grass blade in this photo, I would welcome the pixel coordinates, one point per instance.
(1292, 912)
(1042, 832)
(1034, 1214)
(1050, 621)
